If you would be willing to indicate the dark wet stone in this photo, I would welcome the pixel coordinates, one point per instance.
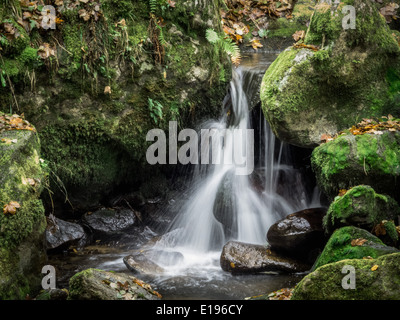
(140, 263)
(300, 234)
(225, 206)
(245, 258)
(62, 233)
(108, 221)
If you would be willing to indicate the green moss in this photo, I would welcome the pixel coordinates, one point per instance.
(360, 206)
(325, 283)
(339, 246)
(284, 28)
(82, 154)
(74, 42)
(345, 81)
(15, 46)
(323, 26)
(18, 163)
(350, 160)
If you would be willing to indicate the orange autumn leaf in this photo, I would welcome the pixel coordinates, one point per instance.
(255, 43)
(326, 137)
(375, 267)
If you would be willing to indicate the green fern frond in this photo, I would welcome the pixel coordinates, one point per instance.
(212, 36)
(226, 44)
(153, 6)
(161, 36)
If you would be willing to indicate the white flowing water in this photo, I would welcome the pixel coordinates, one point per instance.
(224, 206)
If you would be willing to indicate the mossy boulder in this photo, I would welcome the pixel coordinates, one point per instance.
(96, 284)
(375, 279)
(362, 207)
(22, 234)
(351, 160)
(343, 245)
(353, 75)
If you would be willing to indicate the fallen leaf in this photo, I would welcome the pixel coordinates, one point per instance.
(107, 90)
(11, 208)
(326, 138)
(358, 242)
(255, 43)
(374, 267)
(379, 229)
(299, 35)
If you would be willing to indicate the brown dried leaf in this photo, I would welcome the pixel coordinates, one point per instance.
(11, 208)
(299, 35)
(358, 242)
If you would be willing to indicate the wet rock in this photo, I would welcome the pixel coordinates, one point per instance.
(300, 234)
(244, 258)
(352, 243)
(362, 207)
(62, 233)
(109, 221)
(164, 257)
(352, 160)
(95, 284)
(225, 206)
(140, 263)
(375, 279)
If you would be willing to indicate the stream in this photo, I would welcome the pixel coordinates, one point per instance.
(219, 206)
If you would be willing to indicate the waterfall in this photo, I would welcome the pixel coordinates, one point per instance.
(224, 206)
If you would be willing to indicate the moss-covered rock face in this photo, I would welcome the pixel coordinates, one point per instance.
(94, 100)
(353, 75)
(341, 246)
(350, 160)
(360, 206)
(22, 251)
(375, 279)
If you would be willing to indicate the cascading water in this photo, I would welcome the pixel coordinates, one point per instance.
(225, 206)
(221, 206)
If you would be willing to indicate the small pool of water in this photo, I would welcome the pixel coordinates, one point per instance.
(197, 278)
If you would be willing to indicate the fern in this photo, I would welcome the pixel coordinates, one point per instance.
(161, 36)
(153, 6)
(226, 44)
(212, 36)
(156, 110)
